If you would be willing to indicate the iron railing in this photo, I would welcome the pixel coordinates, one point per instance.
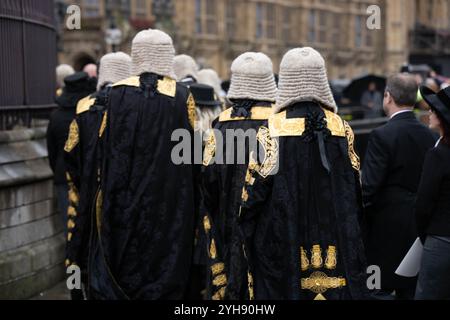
(27, 60)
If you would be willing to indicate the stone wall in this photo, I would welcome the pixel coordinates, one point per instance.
(31, 231)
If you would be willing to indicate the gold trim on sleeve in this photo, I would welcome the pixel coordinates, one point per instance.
(270, 146)
(210, 149)
(335, 124)
(206, 223)
(191, 110)
(220, 294)
(74, 137)
(103, 125)
(251, 292)
(213, 250)
(217, 268)
(71, 212)
(70, 224)
(220, 280)
(354, 158)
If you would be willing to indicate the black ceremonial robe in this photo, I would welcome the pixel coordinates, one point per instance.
(222, 187)
(301, 208)
(82, 163)
(145, 203)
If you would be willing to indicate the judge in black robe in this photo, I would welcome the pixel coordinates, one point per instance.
(145, 203)
(224, 173)
(301, 204)
(82, 158)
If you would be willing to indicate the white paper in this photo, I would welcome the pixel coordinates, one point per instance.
(410, 265)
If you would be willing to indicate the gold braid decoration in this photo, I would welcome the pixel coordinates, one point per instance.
(316, 257)
(304, 259)
(251, 292)
(220, 280)
(103, 126)
(191, 110)
(210, 149)
(354, 158)
(206, 223)
(74, 137)
(270, 147)
(217, 268)
(219, 295)
(74, 200)
(213, 250)
(319, 283)
(331, 260)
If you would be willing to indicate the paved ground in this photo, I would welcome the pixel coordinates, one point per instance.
(59, 292)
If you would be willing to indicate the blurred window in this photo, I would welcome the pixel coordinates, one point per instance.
(91, 8)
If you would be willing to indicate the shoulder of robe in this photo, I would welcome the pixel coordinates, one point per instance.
(130, 82)
(166, 86)
(85, 104)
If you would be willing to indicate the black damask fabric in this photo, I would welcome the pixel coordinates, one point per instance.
(82, 166)
(222, 189)
(301, 206)
(147, 215)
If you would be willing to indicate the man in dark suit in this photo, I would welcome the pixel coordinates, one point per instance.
(390, 177)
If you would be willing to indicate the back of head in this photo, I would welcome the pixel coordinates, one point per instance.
(63, 71)
(152, 51)
(91, 70)
(113, 68)
(185, 66)
(211, 78)
(252, 78)
(303, 77)
(403, 89)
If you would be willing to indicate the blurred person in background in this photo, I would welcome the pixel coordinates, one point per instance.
(81, 154)
(91, 70)
(62, 71)
(186, 69)
(145, 205)
(77, 86)
(372, 99)
(211, 78)
(390, 179)
(433, 204)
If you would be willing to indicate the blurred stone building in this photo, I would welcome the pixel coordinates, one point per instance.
(216, 31)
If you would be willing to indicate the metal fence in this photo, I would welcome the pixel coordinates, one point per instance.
(27, 60)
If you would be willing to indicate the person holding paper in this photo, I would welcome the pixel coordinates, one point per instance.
(390, 177)
(433, 204)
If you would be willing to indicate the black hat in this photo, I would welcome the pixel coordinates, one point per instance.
(438, 102)
(204, 95)
(77, 86)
